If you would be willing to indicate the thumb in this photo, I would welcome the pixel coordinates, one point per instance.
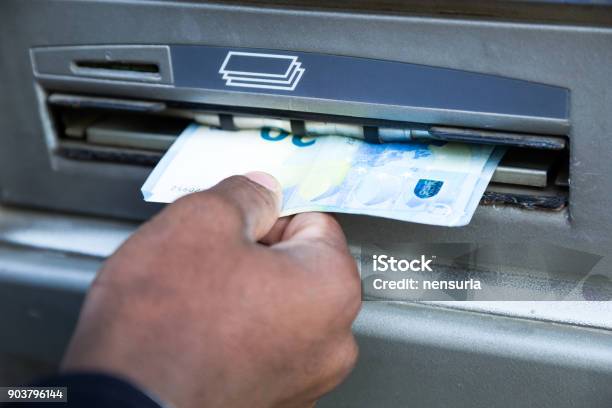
(257, 196)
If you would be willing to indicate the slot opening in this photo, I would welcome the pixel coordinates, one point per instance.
(117, 69)
(129, 66)
(529, 176)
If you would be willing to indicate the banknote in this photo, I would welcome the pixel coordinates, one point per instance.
(435, 183)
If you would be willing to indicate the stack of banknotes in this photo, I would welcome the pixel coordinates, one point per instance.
(436, 183)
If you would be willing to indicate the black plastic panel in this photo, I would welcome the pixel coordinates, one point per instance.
(339, 78)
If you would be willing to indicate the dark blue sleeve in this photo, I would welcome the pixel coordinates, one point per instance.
(94, 390)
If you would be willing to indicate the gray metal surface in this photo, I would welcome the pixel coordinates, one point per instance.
(573, 57)
(99, 238)
(415, 356)
(428, 356)
(410, 354)
(90, 237)
(585, 12)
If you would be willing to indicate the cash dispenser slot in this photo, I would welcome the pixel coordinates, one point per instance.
(533, 173)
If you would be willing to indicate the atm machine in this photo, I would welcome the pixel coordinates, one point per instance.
(94, 92)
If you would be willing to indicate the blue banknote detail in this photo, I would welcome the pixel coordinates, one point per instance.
(266, 134)
(427, 188)
(377, 175)
(299, 141)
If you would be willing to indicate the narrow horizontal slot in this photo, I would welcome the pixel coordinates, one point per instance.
(129, 66)
(128, 70)
(78, 150)
(498, 138)
(100, 102)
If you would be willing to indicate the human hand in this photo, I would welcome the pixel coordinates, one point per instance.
(216, 302)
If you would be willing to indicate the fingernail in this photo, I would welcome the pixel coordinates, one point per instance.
(264, 179)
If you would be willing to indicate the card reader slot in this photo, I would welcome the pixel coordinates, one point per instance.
(130, 66)
(132, 63)
(128, 70)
